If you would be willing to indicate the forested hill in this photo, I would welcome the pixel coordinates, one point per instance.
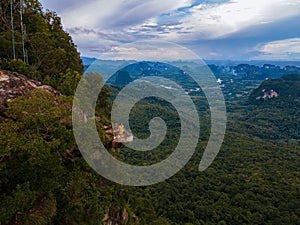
(283, 90)
(41, 48)
(273, 111)
(138, 70)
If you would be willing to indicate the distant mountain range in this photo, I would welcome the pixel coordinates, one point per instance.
(87, 61)
(254, 70)
(145, 69)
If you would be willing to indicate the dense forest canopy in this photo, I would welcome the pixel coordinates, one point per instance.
(43, 50)
(44, 180)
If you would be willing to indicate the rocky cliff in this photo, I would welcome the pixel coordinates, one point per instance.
(13, 85)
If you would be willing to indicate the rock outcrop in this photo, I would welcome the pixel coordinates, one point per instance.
(268, 94)
(116, 218)
(13, 85)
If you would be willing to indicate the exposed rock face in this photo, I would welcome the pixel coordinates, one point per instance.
(116, 218)
(121, 135)
(13, 85)
(268, 94)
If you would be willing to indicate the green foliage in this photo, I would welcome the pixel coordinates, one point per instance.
(276, 118)
(50, 50)
(90, 89)
(18, 65)
(35, 151)
(248, 183)
(252, 181)
(44, 180)
(161, 221)
(79, 199)
(14, 206)
(68, 83)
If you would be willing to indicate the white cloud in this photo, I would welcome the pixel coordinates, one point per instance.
(149, 51)
(117, 13)
(282, 49)
(92, 43)
(217, 21)
(288, 45)
(101, 25)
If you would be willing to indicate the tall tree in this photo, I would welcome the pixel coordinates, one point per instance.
(49, 49)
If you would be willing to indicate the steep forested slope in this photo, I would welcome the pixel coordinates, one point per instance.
(42, 49)
(273, 110)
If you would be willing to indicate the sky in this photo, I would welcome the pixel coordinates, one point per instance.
(213, 29)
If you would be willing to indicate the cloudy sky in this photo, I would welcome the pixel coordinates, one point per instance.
(214, 29)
